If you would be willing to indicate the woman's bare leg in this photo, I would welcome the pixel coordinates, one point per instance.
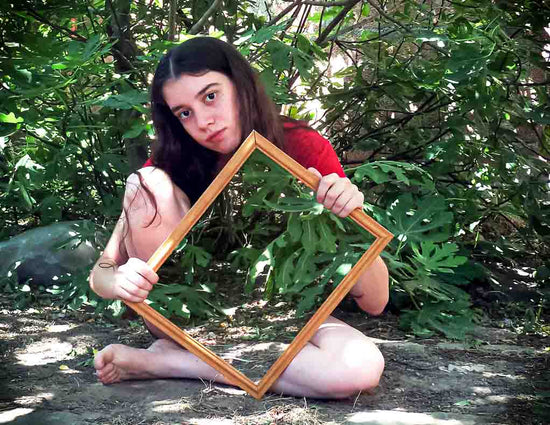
(337, 362)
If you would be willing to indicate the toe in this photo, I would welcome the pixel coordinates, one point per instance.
(103, 358)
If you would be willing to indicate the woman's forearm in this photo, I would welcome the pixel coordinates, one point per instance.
(372, 288)
(102, 277)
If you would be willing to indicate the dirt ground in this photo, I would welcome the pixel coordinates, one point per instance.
(46, 377)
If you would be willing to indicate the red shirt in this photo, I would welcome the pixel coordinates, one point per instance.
(310, 149)
(307, 147)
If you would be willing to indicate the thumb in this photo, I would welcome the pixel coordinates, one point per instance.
(315, 171)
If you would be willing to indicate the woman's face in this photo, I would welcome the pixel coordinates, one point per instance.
(208, 108)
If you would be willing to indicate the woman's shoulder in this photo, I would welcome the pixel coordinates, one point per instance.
(299, 135)
(308, 147)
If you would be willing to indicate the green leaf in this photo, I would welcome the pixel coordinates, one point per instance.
(384, 171)
(425, 221)
(309, 236)
(137, 128)
(454, 320)
(266, 33)
(128, 100)
(436, 258)
(309, 298)
(293, 204)
(294, 227)
(25, 194)
(540, 115)
(283, 277)
(10, 118)
(264, 260)
(327, 239)
(280, 54)
(92, 46)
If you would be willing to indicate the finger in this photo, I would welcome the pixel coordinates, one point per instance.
(135, 291)
(318, 174)
(325, 185)
(139, 281)
(144, 269)
(346, 209)
(105, 370)
(110, 377)
(344, 200)
(355, 202)
(132, 275)
(340, 189)
(125, 294)
(315, 171)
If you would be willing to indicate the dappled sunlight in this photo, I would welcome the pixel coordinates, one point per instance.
(393, 417)
(170, 406)
(10, 415)
(48, 350)
(30, 400)
(60, 328)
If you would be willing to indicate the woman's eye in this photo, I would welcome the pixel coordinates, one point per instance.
(184, 115)
(210, 96)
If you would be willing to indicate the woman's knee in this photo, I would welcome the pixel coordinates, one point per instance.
(360, 366)
(151, 191)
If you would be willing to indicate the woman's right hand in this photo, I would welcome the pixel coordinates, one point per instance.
(134, 280)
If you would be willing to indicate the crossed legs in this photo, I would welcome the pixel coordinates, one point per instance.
(337, 362)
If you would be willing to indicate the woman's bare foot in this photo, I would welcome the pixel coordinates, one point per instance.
(163, 359)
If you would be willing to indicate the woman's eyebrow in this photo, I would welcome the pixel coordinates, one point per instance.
(199, 94)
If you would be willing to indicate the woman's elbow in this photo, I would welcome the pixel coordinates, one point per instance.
(378, 309)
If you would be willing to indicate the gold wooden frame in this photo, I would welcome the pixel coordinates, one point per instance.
(256, 141)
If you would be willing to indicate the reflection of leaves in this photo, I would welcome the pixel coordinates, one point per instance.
(309, 236)
(265, 259)
(194, 256)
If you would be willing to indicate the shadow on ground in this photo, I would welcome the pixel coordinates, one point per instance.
(46, 378)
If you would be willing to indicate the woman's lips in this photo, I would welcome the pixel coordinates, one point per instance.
(216, 137)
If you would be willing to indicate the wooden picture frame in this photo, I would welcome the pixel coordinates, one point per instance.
(257, 390)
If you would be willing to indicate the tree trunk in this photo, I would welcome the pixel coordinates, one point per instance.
(124, 51)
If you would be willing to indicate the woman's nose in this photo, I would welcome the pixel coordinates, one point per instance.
(205, 120)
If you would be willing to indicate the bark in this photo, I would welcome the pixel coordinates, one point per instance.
(124, 51)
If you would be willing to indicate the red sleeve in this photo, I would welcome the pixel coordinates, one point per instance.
(148, 163)
(311, 149)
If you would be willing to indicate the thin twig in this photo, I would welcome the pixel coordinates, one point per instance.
(324, 3)
(283, 13)
(336, 21)
(200, 23)
(72, 34)
(405, 28)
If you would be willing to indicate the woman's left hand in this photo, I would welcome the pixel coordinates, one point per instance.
(338, 194)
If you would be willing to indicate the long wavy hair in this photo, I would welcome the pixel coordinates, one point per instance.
(191, 166)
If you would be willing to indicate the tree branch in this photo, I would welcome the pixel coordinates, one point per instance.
(423, 145)
(172, 20)
(200, 23)
(542, 83)
(405, 28)
(283, 13)
(323, 3)
(336, 21)
(72, 34)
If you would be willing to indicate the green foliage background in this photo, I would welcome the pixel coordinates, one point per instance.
(439, 109)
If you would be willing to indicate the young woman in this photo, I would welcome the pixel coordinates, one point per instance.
(205, 99)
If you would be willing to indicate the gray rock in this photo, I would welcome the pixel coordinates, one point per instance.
(42, 255)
